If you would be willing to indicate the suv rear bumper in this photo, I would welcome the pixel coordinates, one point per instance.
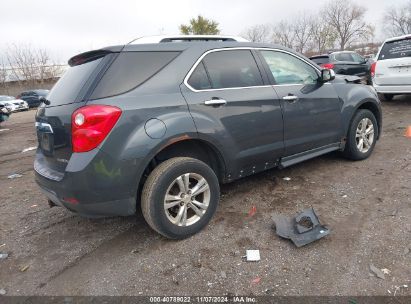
(391, 89)
(102, 187)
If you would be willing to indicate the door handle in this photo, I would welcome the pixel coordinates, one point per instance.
(215, 102)
(290, 98)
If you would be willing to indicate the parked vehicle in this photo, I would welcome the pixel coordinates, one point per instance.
(166, 123)
(33, 97)
(13, 104)
(345, 63)
(391, 73)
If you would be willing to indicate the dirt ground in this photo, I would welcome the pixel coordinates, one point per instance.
(366, 204)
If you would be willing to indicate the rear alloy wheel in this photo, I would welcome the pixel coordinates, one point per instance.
(179, 197)
(362, 135)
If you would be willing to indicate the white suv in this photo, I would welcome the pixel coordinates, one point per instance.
(391, 72)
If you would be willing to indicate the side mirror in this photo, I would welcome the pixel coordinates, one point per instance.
(327, 75)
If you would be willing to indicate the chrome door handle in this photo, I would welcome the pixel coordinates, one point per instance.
(290, 98)
(215, 102)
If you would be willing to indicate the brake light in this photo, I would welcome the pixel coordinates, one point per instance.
(372, 69)
(91, 124)
(329, 66)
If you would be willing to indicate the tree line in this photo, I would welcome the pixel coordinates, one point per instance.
(339, 24)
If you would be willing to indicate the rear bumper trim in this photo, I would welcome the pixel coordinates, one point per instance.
(392, 89)
(47, 172)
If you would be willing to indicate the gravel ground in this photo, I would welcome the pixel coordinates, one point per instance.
(366, 204)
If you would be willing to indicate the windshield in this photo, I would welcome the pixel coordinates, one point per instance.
(395, 49)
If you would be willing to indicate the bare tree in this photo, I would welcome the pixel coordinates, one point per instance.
(302, 33)
(283, 33)
(258, 33)
(31, 65)
(323, 35)
(397, 20)
(347, 19)
(3, 77)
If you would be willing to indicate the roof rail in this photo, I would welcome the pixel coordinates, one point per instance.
(186, 38)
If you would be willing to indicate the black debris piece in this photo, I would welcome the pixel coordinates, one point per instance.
(302, 229)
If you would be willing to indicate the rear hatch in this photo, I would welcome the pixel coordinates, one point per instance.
(53, 121)
(394, 63)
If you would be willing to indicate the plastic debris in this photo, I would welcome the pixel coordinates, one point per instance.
(32, 206)
(15, 175)
(252, 211)
(24, 268)
(3, 256)
(345, 196)
(386, 271)
(29, 149)
(302, 229)
(287, 179)
(2, 130)
(377, 272)
(256, 280)
(2, 245)
(2, 292)
(252, 255)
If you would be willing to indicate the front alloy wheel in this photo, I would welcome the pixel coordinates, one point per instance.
(362, 135)
(365, 135)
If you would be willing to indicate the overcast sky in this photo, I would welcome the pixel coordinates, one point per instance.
(67, 27)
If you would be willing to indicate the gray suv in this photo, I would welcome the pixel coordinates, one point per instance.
(162, 125)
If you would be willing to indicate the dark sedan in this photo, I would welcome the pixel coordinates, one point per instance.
(345, 63)
(33, 97)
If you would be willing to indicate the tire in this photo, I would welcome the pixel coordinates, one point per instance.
(352, 150)
(163, 180)
(386, 97)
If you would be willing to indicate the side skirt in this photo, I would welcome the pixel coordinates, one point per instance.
(303, 156)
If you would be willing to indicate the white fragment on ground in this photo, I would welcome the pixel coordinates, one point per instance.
(386, 271)
(2, 292)
(252, 255)
(15, 175)
(2, 130)
(287, 179)
(29, 149)
(345, 196)
(377, 272)
(3, 256)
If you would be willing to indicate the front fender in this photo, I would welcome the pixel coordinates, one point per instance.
(355, 96)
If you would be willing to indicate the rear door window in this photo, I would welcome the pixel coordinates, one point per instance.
(131, 69)
(347, 57)
(395, 49)
(232, 69)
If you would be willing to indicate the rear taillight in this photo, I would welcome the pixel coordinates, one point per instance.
(90, 126)
(329, 66)
(372, 69)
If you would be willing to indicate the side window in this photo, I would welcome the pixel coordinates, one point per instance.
(232, 69)
(199, 79)
(358, 58)
(288, 69)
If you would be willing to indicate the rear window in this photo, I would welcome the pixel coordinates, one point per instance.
(395, 49)
(68, 87)
(342, 57)
(320, 60)
(131, 69)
